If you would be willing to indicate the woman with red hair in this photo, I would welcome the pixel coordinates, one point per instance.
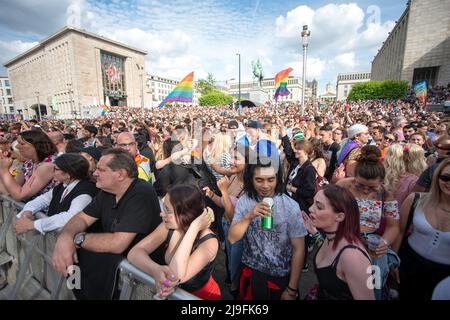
(342, 261)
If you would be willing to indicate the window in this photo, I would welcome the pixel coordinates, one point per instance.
(8, 92)
(10, 100)
(7, 83)
(11, 109)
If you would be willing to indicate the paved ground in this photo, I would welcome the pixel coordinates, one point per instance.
(307, 279)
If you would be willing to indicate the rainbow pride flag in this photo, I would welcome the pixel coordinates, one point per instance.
(281, 81)
(182, 92)
(105, 110)
(420, 90)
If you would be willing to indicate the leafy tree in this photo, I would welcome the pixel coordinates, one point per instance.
(215, 98)
(375, 90)
(205, 86)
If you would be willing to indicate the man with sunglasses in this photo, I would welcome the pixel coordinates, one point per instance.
(127, 141)
(443, 151)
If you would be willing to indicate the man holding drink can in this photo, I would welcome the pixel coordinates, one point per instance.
(271, 226)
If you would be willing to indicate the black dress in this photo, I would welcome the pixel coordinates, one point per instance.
(330, 286)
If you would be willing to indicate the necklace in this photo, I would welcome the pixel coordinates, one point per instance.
(329, 240)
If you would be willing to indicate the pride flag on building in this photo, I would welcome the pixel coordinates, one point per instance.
(182, 92)
(281, 81)
(420, 90)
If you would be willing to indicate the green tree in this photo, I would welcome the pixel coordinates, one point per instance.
(215, 98)
(205, 86)
(374, 90)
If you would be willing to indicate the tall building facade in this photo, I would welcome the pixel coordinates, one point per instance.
(345, 82)
(74, 70)
(6, 97)
(418, 48)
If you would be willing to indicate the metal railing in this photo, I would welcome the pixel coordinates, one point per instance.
(30, 274)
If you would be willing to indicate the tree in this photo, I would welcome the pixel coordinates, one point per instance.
(205, 86)
(215, 98)
(375, 90)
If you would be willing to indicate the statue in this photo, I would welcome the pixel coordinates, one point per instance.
(258, 72)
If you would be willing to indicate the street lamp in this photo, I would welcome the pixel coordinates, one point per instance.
(38, 105)
(69, 90)
(305, 35)
(239, 101)
(141, 69)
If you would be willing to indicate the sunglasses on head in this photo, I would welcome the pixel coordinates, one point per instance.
(444, 178)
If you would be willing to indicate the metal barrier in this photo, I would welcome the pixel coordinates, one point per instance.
(30, 274)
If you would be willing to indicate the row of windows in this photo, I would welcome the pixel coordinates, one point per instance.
(358, 76)
(7, 101)
(4, 83)
(6, 92)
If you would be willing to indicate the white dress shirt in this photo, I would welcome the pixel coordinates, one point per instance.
(58, 220)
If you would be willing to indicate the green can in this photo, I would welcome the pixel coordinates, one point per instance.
(267, 222)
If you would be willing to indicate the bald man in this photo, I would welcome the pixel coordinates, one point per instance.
(58, 140)
(127, 141)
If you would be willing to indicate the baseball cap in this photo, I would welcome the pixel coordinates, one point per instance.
(254, 124)
(93, 152)
(233, 124)
(299, 135)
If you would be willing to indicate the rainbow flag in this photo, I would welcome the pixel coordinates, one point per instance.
(281, 81)
(182, 92)
(420, 90)
(105, 110)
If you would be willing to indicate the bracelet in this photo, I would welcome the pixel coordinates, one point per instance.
(289, 288)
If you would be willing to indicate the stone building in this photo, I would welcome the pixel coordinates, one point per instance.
(6, 97)
(345, 82)
(73, 71)
(418, 48)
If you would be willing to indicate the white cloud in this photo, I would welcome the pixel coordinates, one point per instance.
(346, 61)
(9, 50)
(314, 67)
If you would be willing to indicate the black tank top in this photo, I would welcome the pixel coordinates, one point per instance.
(201, 278)
(330, 286)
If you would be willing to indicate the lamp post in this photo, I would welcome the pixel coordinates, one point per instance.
(38, 105)
(69, 90)
(239, 101)
(305, 35)
(141, 69)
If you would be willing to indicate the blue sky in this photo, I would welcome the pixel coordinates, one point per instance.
(204, 35)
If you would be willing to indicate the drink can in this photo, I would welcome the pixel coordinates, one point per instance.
(267, 222)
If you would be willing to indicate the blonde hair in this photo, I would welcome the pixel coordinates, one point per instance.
(415, 159)
(434, 197)
(221, 145)
(394, 164)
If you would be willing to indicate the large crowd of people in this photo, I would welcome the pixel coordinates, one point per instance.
(359, 185)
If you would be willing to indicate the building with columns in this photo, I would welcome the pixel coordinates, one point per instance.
(328, 95)
(345, 82)
(418, 48)
(72, 72)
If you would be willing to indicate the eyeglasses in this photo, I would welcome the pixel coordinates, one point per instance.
(126, 145)
(388, 139)
(444, 178)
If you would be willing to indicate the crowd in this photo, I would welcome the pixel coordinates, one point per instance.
(360, 185)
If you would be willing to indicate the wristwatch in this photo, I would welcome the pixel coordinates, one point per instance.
(79, 239)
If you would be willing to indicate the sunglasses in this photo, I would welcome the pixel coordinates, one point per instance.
(444, 178)
(389, 139)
